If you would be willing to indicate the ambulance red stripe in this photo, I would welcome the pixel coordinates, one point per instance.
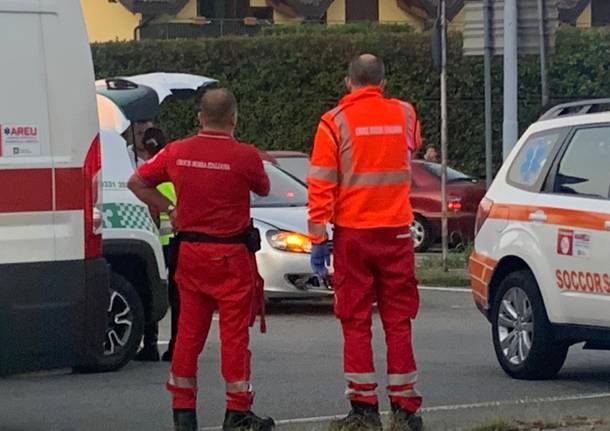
(31, 190)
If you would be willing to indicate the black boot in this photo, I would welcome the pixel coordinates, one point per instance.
(363, 417)
(246, 421)
(148, 353)
(167, 356)
(403, 420)
(185, 420)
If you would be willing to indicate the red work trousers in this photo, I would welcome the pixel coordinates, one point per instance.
(214, 277)
(377, 265)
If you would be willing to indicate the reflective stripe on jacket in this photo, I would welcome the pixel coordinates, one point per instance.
(361, 164)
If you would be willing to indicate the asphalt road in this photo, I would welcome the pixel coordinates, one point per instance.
(297, 374)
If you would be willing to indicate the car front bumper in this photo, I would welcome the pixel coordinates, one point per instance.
(289, 275)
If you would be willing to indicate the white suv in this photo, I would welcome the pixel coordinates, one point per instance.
(540, 271)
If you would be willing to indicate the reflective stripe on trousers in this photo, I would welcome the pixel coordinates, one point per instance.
(409, 393)
(238, 387)
(361, 378)
(182, 382)
(402, 379)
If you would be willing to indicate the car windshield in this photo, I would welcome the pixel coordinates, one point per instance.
(452, 174)
(286, 191)
(297, 166)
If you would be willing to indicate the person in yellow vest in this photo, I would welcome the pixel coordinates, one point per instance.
(154, 141)
(170, 251)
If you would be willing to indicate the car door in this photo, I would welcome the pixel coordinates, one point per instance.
(575, 209)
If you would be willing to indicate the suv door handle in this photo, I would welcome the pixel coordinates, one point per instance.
(538, 216)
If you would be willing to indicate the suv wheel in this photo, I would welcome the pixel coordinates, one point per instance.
(124, 326)
(422, 234)
(522, 334)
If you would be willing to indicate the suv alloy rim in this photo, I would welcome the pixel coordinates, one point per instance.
(515, 325)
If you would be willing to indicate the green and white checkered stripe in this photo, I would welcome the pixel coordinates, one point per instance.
(127, 216)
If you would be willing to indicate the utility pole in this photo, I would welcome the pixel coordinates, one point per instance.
(488, 44)
(543, 71)
(444, 134)
(510, 133)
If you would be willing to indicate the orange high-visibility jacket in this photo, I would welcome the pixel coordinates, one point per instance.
(360, 173)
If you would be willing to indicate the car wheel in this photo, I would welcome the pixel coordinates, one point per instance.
(124, 326)
(422, 235)
(523, 337)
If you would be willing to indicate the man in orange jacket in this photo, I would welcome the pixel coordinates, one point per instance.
(360, 181)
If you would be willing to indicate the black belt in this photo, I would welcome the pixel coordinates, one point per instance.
(242, 238)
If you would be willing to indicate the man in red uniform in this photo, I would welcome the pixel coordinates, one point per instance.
(360, 181)
(213, 175)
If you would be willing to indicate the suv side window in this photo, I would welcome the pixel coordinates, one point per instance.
(528, 167)
(584, 169)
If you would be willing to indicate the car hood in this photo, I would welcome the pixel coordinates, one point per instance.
(292, 219)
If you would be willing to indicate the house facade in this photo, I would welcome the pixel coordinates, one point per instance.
(129, 19)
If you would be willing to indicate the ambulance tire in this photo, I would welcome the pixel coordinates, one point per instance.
(546, 356)
(125, 327)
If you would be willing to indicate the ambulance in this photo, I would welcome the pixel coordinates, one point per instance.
(540, 270)
(54, 282)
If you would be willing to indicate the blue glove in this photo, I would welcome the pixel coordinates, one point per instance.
(320, 259)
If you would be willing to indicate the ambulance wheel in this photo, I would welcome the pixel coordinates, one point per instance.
(421, 233)
(523, 337)
(124, 326)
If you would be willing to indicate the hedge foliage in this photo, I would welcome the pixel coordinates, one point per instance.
(284, 82)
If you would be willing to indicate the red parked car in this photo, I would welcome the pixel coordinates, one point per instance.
(463, 196)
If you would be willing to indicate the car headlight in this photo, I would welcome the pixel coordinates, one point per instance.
(289, 241)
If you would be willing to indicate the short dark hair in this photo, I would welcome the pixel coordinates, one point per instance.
(366, 69)
(218, 106)
(154, 140)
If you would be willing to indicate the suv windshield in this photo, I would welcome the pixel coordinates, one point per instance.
(286, 191)
(452, 174)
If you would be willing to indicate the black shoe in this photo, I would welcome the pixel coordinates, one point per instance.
(167, 356)
(363, 417)
(185, 420)
(242, 421)
(403, 420)
(148, 354)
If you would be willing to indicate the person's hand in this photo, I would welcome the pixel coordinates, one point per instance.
(320, 259)
(173, 218)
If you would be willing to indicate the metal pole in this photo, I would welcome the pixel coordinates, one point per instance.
(543, 71)
(487, 22)
(444, 230)
(510, 133)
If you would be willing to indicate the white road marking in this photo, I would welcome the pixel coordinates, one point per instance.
(489, 404)
(446, 289)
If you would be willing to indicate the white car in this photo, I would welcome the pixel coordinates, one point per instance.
(540, 270)
(283, 261)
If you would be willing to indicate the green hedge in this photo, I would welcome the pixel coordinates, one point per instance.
(284, 82)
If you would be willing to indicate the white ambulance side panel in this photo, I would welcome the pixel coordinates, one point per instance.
(26, 194)
(72, 114)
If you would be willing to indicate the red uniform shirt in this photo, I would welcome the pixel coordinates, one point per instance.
(213, 175)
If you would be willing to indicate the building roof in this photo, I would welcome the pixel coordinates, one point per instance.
(154, 7)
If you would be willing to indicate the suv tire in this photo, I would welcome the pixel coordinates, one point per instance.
(124, 327)
(523, 337)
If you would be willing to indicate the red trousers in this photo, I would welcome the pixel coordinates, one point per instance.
(377, 265)
(214, 277)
